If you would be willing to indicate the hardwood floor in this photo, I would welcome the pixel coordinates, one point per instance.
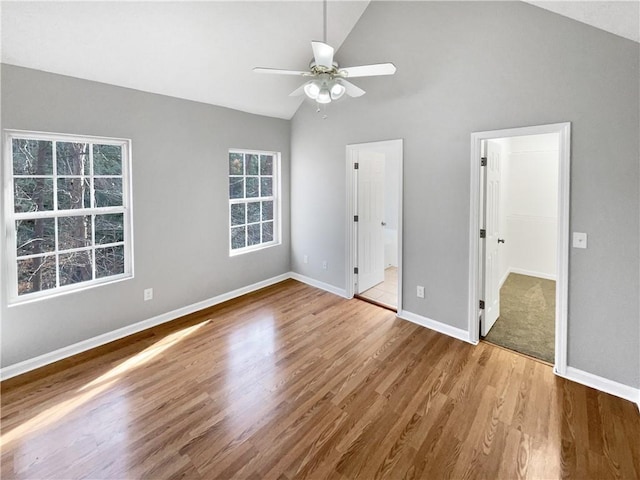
(293, 382)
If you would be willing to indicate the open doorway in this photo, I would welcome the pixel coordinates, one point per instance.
(374, 206)
(519, 240)
(520, 192)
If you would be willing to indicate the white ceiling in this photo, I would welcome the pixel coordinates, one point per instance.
(201, 51)
(205, 50)
(619, 17)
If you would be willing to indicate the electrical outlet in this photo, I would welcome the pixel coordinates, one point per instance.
(305, 259)
(420, 291)
(325, 265)
(579, 240)
(148, 294)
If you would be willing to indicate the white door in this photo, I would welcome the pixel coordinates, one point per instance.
(491, 250)
(370, 211)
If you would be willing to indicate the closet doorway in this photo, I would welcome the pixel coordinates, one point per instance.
(519, 252)
(521, 218)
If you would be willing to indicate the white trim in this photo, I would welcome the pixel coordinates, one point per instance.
(599, 383)
(400, 229)
(68, 351)
(531, 273)
(562, 269)
(341, 292)
(602, 384)
(9, 216)
(504, 279)
(62, 353)
(350, 210)
(276, 193)
(440, 327)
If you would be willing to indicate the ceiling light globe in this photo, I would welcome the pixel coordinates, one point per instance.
(312, 90)
(324, 96)
(337, 90)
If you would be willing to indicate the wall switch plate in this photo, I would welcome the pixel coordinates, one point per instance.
(148, 294)
(325, 265)
(305, 259)
(420, 291)
(579, 240)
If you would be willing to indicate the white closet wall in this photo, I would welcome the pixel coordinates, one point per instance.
(529, 200)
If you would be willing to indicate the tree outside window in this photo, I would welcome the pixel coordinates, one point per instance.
(253, 197)
(70, 218)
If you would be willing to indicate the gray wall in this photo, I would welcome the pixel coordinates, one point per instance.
(465, 67)
(180, 204)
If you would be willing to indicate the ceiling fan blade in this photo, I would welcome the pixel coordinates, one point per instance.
(279, 71)
(369, 70)
(322, 54)
(351, 89)
(298, 91)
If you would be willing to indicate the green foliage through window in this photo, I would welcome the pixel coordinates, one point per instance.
(252, 199)
(69, 211)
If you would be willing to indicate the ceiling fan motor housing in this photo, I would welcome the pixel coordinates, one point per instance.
(322, 69)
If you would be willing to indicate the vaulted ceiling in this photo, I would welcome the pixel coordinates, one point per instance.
(204, 51)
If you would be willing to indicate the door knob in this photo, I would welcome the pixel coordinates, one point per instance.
(384, 224)
(501, 240)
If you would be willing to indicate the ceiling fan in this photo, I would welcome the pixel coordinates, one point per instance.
(326, 80)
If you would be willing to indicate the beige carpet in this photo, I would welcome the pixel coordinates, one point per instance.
(527, 317)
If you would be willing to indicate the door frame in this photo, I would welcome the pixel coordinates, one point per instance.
(350, 202)
(562, 260)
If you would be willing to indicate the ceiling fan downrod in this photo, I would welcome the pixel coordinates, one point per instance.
(324, 17)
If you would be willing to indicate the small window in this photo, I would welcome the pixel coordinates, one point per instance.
(69, 217)
(253, 200)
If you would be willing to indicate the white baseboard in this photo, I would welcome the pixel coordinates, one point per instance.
(579, 376)
(532, 273)
(62, 353)
(602, 384)
(341, 292)
(504, 279)
(454, 332)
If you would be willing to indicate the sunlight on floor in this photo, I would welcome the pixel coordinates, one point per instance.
(251, 354)
(95, 387)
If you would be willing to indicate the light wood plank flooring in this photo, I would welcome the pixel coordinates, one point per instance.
(293, 382)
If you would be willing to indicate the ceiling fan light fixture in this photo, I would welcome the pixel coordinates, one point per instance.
(312, 89)
(337, 90)
(324, 96)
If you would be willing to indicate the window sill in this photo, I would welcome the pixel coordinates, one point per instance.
(50, 295)
(254, 248)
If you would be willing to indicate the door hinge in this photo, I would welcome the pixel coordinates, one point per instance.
(355, 270)
(481, 304)
(483, 233)
(483, 161)
(356, 166)
(355, 218)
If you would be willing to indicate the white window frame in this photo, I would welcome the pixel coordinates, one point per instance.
(10, 216)
(275, 198)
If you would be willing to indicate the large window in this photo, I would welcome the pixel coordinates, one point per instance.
(253, 200)
(67, 212)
